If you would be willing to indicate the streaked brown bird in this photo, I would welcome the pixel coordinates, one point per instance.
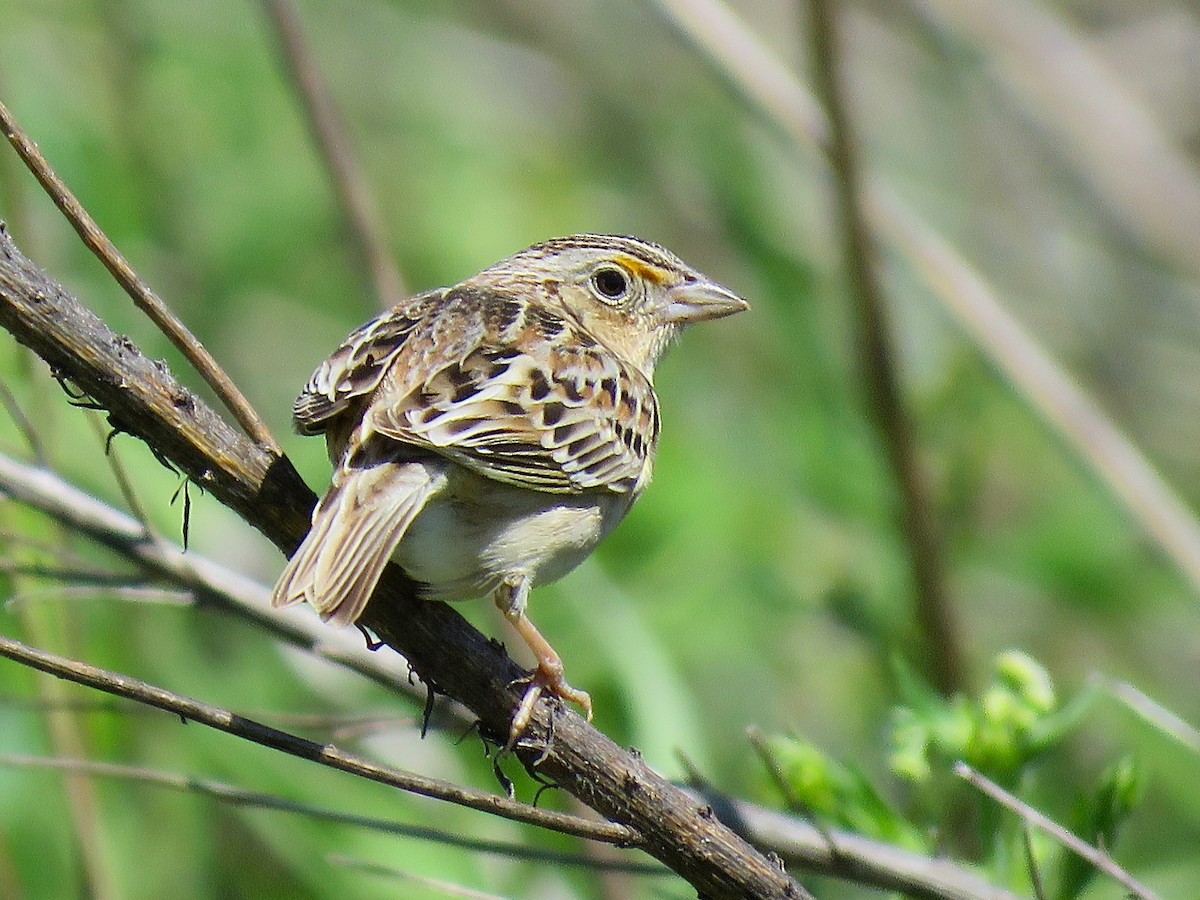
(488, 436)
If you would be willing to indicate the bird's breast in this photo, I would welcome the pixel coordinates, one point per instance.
(479, 531)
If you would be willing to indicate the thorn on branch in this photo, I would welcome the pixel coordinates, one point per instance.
(506, 783)
(374, 643)
(427, 713)
(76, 396)
(185, 489)
(544, 785)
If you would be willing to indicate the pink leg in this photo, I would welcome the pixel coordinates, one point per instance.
(511, 598)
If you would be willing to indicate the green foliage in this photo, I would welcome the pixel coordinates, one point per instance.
(840, 795)
(1017, 718)
(1016, 721)
(1097, 819)
(765, 577)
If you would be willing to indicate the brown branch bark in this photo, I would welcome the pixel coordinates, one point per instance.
(144, 399)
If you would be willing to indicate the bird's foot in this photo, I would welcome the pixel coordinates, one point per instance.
(547, 678)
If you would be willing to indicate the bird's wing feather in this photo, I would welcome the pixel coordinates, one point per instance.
(355, 368)
(520, 393)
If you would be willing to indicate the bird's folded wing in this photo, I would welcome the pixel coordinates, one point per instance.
(355, 368)
(542, 406)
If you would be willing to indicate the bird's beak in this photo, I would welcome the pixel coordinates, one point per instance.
(698, 301)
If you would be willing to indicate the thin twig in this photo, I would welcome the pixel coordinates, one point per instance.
(124, 485)
(759, 742)
(334, 722)
(128, 593)
(702, 785)
(330, 134)
(326, 755)
(143, 297)
(773, 92)
(235, 796)
(76, 705)
(852, 857)
(1155, 713)
(24, 425)
(69, 574)
(942, 651)
(1097, 857)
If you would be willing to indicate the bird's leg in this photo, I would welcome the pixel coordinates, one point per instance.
(511, 598)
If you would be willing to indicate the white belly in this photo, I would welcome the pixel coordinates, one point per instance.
(469, 537)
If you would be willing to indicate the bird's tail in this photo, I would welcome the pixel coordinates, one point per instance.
(355, 529)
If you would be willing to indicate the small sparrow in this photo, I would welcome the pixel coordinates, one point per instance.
(488, 436)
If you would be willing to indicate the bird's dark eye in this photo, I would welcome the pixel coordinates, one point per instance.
(611, 283)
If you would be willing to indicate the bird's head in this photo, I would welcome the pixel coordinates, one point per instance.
(632, 295)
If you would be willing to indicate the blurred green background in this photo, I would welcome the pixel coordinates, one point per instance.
(764, 578)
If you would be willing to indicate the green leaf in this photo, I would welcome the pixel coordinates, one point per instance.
(841, 794)
(1098, 820)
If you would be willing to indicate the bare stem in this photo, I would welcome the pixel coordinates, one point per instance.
(326, 755)
(934, 614)
(1094, 855)
(24, 425)
(143, 297)
(329, 132)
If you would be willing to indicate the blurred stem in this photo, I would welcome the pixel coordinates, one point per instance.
(943, 657)
(1142, 177)
(772, 91)
(1097, 856)
(44, 623)
(10, 881)
(329, 133)
(138, 291)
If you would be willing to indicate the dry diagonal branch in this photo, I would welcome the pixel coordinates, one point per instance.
(145, 400)
(1097, 856)
(141, 294)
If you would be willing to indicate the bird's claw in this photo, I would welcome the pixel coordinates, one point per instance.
(544, 680)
